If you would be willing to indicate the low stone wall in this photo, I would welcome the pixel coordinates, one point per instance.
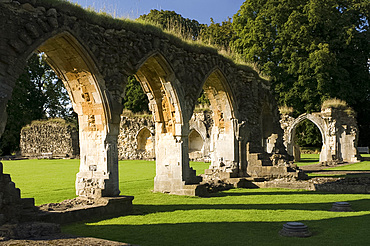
(53, 138)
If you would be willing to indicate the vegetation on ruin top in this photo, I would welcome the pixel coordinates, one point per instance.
(338, 104)
(106, 20)
(58, 121)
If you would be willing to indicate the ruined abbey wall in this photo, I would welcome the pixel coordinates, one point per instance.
(53, 138)
(95, 54)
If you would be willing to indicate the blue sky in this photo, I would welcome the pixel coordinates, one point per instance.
(200, 10)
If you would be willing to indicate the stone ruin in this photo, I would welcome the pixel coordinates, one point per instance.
(136, 140)
(53, 138)
(94, 56)
(339, 133)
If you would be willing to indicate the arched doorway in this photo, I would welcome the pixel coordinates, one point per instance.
(307, 140)
(196, 144)
(292, 147)
(145, 141)
(224, 146)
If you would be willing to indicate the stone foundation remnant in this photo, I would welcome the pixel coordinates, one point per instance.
(20, 218)
(341, 207)
(94, 58)
(295, 229)
(339, 133)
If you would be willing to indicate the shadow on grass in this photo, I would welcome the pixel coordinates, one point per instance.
(351, 230)
(357, 205)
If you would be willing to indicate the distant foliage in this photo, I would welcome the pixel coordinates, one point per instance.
(217, 34)
(312, 49)
(171, 21)
(135, 99)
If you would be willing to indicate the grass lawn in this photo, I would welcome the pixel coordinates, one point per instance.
(234, 217)
(308, 159)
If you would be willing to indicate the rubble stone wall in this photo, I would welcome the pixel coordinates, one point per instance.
(53, 138)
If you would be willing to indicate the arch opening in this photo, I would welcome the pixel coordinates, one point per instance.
(298, 137)
(268, 136)
(196, 144)
(145, 141)
(307, 140)
(223, 145)
(171, 141)
(98, 172)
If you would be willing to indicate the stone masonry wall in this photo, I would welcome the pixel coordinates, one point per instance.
(53, 138)
(127, 138)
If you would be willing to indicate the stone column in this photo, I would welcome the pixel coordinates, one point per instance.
(224, 146)
(172, 160)
(98, 175)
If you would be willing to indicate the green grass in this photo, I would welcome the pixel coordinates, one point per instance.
(308, 159)
(46, 180)
(234, 217)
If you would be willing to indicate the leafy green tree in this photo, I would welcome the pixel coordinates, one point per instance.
(135, 99)
(38, 94)
(170, 20)
(311, 49)
(218, 34)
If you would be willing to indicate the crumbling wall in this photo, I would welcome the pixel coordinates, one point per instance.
(339, 134)
(52, 138)
(131, 146)
(130, 127)
(12, 207)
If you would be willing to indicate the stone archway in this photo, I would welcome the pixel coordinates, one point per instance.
(144, 140)
(224, 146)
(171, 144)
(196, 145)
(98, 173)
(338, 131)
(292, 148)
(94, 57)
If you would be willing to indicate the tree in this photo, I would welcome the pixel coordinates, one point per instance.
(135, 99)
(218, 34)
(312, 50)
(170, 20)
(38, 94)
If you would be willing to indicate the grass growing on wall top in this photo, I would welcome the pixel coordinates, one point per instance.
(235, 217)
(100, 17)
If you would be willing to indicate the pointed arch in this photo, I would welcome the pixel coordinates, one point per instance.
(144, 140)
(218, 91)
(224, 114)
(196, 141)
(90, 100)
(318, 121)
(75, 67)
(159, 82)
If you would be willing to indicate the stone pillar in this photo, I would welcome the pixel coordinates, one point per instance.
(224, 146)
(98, 175)
(172, 161)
